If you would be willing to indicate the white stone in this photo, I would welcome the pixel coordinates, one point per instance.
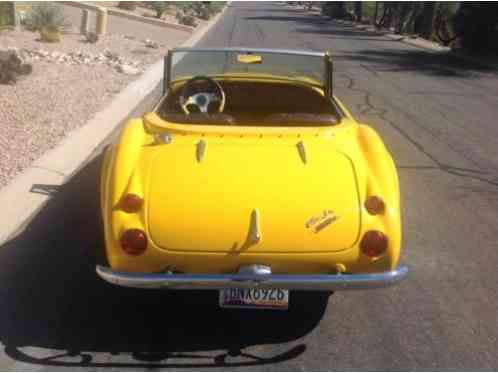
(127, 69)
(151, 44)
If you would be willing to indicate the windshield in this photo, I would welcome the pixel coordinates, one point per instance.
(305, 66)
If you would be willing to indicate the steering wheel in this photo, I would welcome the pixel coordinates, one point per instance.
(201, 100)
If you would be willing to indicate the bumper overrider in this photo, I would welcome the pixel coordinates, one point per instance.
(254, 276)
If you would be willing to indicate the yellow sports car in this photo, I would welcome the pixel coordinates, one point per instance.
(250, 177)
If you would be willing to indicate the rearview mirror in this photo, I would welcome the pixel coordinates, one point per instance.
(249, 58)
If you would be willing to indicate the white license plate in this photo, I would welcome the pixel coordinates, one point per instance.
(275, 299)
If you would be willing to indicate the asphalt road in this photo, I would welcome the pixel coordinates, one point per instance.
(438, 118)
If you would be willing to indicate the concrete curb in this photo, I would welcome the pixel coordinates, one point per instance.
(24, 196)
(134, 17)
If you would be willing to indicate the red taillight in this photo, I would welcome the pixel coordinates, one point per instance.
(131, 203)
(373, 243)
(375, 205)
(134, 241)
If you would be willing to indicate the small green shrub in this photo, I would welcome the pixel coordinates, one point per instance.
(128, 5)
(186, 19)
(45, 15)
(6, 14)
(216, 6)
(160, 7)
(202, 11)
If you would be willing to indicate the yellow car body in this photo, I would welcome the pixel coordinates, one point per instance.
(219, 198)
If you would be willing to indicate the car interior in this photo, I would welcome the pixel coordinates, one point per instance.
(247, 103)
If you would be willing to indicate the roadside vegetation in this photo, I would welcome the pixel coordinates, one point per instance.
(6, 14)
(185, 12)
(469, 25)
(46, 18)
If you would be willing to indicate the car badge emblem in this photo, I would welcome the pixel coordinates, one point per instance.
(317, 223)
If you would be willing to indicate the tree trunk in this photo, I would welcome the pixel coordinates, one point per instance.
(358, 10)
(426, 24)
(410, 23)
(340, 9)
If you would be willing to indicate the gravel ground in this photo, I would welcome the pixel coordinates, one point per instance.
(42, 108)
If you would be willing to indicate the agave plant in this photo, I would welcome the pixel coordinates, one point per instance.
(160, 7)
(45, 15)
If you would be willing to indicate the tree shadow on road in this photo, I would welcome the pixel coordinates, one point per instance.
(393, 55)
(52, 299)
(415, 60)
(304, 18)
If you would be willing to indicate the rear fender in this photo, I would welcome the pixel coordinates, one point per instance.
(381, 179)
(127, 152)
(120, 175)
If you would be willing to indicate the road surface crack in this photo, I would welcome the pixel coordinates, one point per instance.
(367, 108)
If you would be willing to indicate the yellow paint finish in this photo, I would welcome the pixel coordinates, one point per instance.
(207, 206)
(198, 212)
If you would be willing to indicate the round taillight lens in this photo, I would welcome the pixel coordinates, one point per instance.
(131, 203)
(375, 205)
(134, 241)
(373, 243)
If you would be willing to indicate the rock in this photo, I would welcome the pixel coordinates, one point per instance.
(111, 55)
(127, 69)
(129, 37)
(12, 64)
(151, 44)
(4, 54)
(92, 37)
(25, 69)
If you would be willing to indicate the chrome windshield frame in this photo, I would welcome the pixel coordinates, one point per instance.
(168, 61)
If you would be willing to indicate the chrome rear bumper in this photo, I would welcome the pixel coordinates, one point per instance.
(253, 277)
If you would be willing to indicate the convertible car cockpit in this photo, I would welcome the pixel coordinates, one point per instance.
(289, 96)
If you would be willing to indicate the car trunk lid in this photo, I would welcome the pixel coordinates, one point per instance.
(252, 198)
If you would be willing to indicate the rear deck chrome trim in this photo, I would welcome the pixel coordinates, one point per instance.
(253, 279)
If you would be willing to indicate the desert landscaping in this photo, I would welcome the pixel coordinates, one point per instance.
(48, 89)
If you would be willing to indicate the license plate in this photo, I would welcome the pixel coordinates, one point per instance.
(275, 299)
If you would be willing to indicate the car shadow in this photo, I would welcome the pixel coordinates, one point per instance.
(53, 299)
